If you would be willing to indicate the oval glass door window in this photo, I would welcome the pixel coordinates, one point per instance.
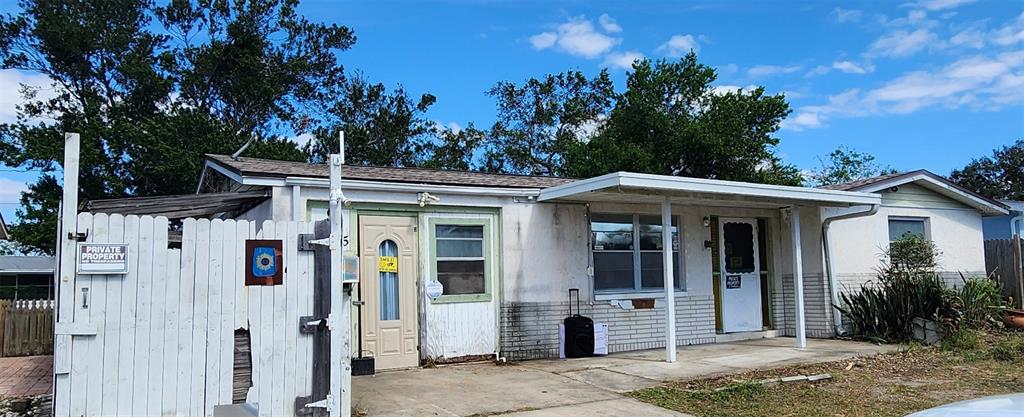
(388, 271)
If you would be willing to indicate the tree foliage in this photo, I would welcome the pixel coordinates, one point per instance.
(541, 120)
(846, 165)
(998, 176)
(669, 120)
(152, 88)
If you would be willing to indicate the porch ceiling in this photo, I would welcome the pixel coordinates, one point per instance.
(629, 187)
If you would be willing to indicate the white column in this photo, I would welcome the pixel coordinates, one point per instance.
(798, 277)
(298, 214)
(339, 397)
(670, 299)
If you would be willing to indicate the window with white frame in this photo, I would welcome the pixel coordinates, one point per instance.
(906, 227)
(627, 251)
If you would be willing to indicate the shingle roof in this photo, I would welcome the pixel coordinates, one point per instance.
(861, 185)
(41, 264)
(275, 168)
(856, 185)
(180, 206)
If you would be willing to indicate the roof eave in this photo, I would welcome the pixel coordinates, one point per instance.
(670, 184)
(985, 206)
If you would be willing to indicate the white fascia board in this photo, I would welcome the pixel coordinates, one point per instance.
(579, 187)
(683, 184)
(391, 186)
(27, 271)
(950, 191)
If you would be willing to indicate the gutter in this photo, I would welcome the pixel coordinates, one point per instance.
(837, 316)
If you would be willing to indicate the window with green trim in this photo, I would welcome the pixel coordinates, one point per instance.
(461, 265)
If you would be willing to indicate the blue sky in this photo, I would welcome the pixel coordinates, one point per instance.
(919, 84)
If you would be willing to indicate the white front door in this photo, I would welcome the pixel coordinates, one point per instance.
(387, 247)
(740, 275)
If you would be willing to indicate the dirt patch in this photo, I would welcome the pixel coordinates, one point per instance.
(892, 384)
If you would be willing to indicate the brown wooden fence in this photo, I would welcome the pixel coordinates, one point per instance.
(1003, 262)
(27, 327)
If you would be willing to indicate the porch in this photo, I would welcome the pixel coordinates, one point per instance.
(590, 386)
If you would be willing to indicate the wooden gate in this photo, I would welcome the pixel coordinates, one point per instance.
(160, 340)
(1003, 262)
(26, 327)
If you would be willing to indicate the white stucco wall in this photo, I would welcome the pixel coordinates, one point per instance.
(956, 230)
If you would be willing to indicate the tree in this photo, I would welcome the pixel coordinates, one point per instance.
(671, 121)
(846, 165)
(381, 128)
(150, 97)
(998, 176)
(543, 119)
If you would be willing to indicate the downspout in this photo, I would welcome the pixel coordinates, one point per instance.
(837, 316)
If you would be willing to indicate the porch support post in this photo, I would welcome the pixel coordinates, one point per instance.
(798, 277)
(670, 300)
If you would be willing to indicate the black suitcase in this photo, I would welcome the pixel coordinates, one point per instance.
(579, 331)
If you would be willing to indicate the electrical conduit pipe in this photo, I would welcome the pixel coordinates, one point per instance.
(837, 316)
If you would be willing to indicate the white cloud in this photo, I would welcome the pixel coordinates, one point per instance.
(1011, 33)
(770, 70)
(850, 67)
(725, 89)
(11, 82)
(608, 24)
(802, 121)
(978, 82)
(728, 69)
(679, 45)
(622, 60)
(943, 4)
(302, 139)
(454, 127)
(844, 16)
(972, 38)
(543, 40)
(10, 190)
(576, 37)
(902, 43)
(818, 70)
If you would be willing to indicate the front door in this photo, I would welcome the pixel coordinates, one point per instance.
(741, 275)
(387, 248)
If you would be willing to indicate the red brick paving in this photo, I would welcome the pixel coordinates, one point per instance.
(26, 376)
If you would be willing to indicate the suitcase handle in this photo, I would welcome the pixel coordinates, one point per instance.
(578, 311)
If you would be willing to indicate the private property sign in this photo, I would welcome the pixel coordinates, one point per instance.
(102, 258)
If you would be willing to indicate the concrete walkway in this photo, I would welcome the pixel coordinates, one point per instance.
(590, 387)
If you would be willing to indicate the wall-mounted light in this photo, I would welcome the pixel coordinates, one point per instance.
(707, 221)
(426, 198)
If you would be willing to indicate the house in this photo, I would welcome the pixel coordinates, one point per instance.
(1004, 227)
(917, 203)
(26, 277)
(746, 260)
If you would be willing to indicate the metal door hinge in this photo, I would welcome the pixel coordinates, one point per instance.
(80, 236)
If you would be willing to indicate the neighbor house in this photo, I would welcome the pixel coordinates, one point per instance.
(506, 249)
(1004, 226)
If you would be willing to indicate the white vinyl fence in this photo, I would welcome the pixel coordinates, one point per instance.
(163, 342)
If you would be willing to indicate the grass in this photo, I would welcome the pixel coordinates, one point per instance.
(895, 384)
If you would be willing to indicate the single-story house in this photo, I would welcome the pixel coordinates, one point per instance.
(26, 277)
(1004, 227)
(506, 250)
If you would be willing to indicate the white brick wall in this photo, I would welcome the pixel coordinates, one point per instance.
(529, 330)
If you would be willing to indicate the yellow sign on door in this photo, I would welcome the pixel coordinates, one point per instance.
(388, 264)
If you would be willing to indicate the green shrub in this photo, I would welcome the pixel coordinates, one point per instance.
(907, 288)
(979, 303)
(1010, 349)
(962, 340)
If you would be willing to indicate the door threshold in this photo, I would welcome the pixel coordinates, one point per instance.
(741, 336)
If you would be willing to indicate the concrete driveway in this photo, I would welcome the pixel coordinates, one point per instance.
(590, 387)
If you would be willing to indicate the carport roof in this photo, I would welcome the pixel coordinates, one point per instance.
(634, 187)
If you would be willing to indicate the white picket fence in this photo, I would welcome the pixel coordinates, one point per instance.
(164, 337)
